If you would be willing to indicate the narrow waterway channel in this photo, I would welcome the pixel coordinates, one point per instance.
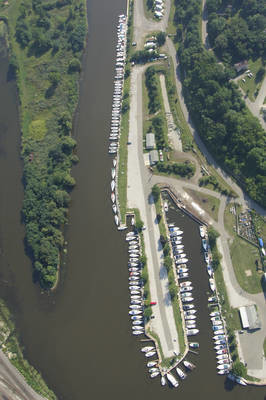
(80, 336)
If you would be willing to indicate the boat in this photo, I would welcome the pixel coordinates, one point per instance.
(114, 162)
(150, 354)
(192, 332)
(176, 232)
(163, 381)
(222, 351)
(202, 231)
(151, 364)
(204, 244)
(219, 332)
(219, 337)
(136, 317)
(187, 299)
(171, 225)
(180, 373)
(209, 270)
(186, 289)
(137, 332)
(188, 306)
(178, 247)
(134, 287)
(217, 322)
(217, 318)
(189, 322)
(194, 345)
(215, 314)
(212, 284)
(137, 328)
(186, 294)
(154, 374)
(190, 312)
(218, 342)
(178, 256)
(187, 283)
(113, 197)
(190, 317)
(116, 220)
(189, 365)
(206, 257)
(220, 346)
(135, 297)
(222, 356)
(212, 299)
(114, 207)
(135, 312)
(223, 366)
(151, 370)
(172, 379)
(137, 302)
(137, 322)
(134, 265)
(146, 349)
(165, 206)
(182, 261)
(216, 328)
(133, 247)
(223, 371)
(135, 307)
(182, 270)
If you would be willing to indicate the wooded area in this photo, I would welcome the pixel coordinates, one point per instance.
(232, 134)
(47, 39)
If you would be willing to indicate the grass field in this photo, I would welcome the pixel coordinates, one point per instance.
(252, 85)
(209, 203)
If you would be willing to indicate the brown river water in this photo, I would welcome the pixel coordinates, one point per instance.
(79, 337)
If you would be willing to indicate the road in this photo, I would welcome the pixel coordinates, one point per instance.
(138, 195)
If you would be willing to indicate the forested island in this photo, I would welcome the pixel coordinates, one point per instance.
(46, 40)
(232, 134)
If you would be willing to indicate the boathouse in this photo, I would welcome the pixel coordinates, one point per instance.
(249, 317)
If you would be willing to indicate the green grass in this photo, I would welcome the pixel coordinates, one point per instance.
(209, 203)
(171, 28)
(252, 86)
(230, 219)
(243, 256)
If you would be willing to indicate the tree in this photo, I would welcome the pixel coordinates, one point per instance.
(147, 312)
(139, 225)
(54, 78)
(212, 236)
(156, 193)
(144, 276)
(239, 369)
(161, 36)
(172, 290)
(74, 65)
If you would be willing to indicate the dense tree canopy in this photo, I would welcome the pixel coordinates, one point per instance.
(232, 134)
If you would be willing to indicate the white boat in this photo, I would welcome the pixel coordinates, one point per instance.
(217, 323)
(163, 381)
(187, 299)
(135, 297)
(219, 332)
(151, 370)
(202, 231)
(204, 244)
(212, 299)
(171, 225)
(176, 232)
(165, 206)
(186, 289)
(135, 312)
(188, 306)
(133, 286)
(151, 364)
(222, 357)
(223, 371)
(189, 365)
(154, 374)
(190, 317)
(222, 351)
(185, 294)
(192, 332)
(240, 381)
(220, 347)
(146, 349)
(116, 220)
(212, 284)
(135, 307)
(189, 323)
(135, 291)
(133, 265)
(133, 246)
(114, 162)
(133, 278)
(114, 207)
(220, 342)
(113, 197)
(224, 366)
(150, 354)
(137, 332)
(182, 270)
(172, 380)
(138, 322)
(209, 270)
(176, 242)
(215, 314)
(180, 373)
(136, 317)
(182, 261)
(137, 328)
(182, 275)
(189, 312)
(185, 284)
(178, 247)
(206, 257)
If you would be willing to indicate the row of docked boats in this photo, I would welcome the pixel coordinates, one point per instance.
(185, 286)
(189, 366)
(219, 332)
(118, 84)
(135, 284)
(153, 366)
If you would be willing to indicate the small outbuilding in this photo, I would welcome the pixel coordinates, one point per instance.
(241, 66)
(249, 317)
(150, 141)
(154, 157)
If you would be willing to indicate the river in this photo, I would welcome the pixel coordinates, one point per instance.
(80, 337)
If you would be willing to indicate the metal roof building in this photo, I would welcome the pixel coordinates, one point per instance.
(154, 157)
(249, 317)
(150, 141)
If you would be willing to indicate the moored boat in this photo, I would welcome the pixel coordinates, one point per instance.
(163, 381)
(150, 354)
(180, 373)
(202, 231)
(189, 365)
(194, 345)
(146, 349)
(172, 379)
